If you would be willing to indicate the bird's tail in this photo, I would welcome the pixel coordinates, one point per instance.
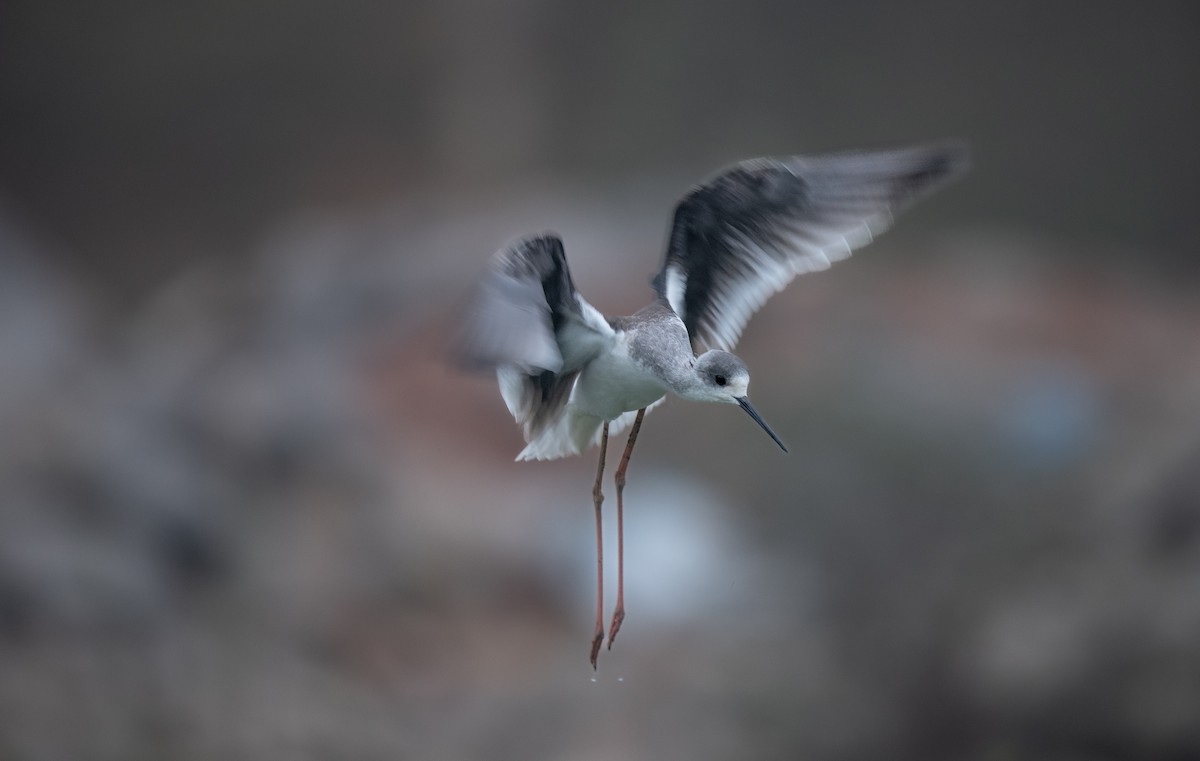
(574, 433)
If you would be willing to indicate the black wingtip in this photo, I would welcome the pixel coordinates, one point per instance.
(951, 159)
(923, 169)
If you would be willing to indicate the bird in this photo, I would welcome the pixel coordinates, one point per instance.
(572, 377)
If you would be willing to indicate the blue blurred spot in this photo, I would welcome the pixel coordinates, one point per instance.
(1052, 417)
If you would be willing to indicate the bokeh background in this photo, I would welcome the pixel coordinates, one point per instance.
(248, 511)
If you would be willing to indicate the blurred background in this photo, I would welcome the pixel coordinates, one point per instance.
(248, 511)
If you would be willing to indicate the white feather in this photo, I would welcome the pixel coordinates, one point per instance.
(676, 290)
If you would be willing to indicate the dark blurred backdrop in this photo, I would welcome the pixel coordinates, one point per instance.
(246, 509)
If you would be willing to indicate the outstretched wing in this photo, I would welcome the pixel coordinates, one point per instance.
(745, 234)
(530, 324)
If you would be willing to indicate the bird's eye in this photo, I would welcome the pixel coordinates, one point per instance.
(720, 379)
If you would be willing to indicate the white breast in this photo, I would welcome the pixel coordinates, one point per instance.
(614, 383)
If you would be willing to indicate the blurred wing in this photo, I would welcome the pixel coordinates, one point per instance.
(745, 234)
(531, 325)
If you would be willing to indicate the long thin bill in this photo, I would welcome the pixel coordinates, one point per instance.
(749, 408)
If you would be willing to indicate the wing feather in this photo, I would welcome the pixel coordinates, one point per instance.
(530, 324)
(746, 233)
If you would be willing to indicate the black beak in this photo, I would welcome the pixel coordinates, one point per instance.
(744, 403)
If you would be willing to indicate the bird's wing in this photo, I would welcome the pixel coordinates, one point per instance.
(744, 234)
(530, 323)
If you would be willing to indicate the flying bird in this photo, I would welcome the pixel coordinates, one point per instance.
(571, 376)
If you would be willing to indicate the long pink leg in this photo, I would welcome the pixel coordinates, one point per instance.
(619, 611)
(597, 500)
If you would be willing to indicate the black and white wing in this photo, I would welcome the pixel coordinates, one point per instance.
(745, 234)
(530, 324)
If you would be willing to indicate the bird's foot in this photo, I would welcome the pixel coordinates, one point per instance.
(596, 640)
(617, 619)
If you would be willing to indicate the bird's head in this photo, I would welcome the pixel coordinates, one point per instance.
(725, 378)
